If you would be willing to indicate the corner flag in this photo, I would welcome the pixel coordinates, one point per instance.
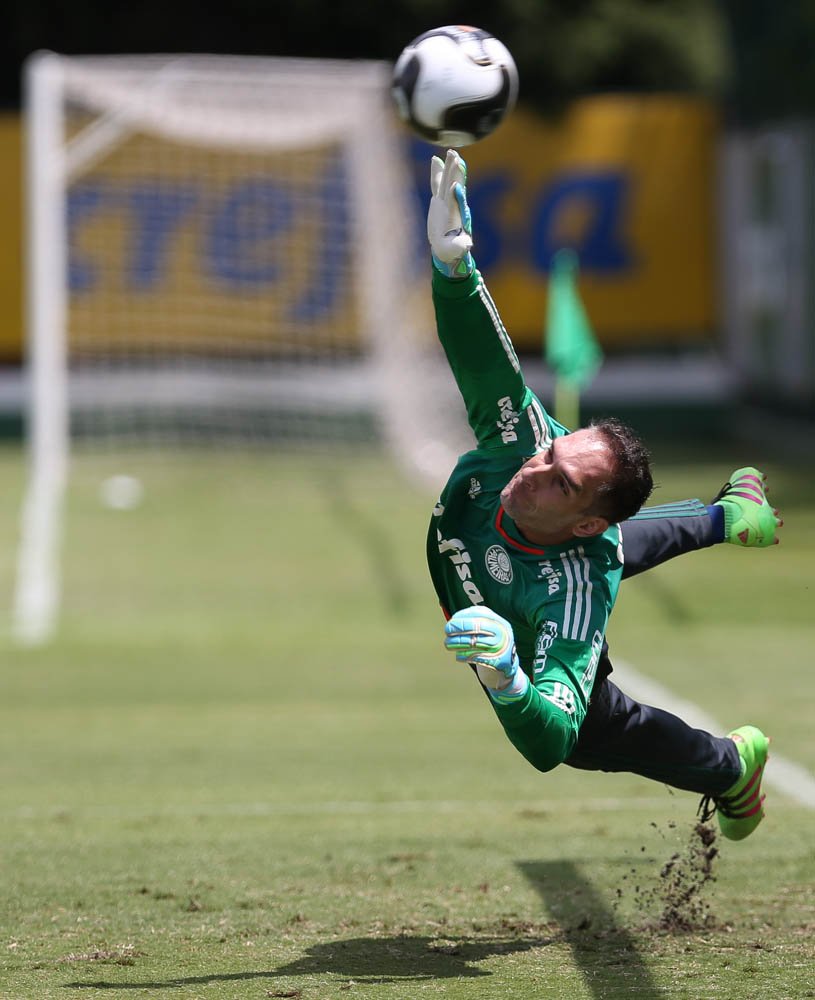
(572, 351)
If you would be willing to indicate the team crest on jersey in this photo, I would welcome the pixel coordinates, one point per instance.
(498, 565)
(475, 488)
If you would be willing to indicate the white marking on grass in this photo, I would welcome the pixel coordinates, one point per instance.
(783, 775)
(335, 808)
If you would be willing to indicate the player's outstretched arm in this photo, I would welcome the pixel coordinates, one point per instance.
(502, 411)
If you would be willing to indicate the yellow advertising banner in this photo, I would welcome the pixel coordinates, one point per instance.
(11, 266)
(628, 183)
(187, 248)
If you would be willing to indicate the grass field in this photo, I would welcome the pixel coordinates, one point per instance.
(248, 769)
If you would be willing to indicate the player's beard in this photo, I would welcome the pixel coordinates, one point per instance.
(534, 517)
(517, 498)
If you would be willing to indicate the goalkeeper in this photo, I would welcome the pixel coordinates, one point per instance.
(531, 537)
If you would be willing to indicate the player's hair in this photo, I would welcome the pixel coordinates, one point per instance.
(631, 482)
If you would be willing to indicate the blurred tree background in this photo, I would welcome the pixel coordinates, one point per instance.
(755, 56)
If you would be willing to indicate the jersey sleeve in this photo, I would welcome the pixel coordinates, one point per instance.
(543, 724)
(502, 410)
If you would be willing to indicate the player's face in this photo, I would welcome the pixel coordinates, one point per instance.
(549, 496)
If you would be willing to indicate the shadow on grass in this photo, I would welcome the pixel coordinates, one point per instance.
(366, 960)
(605, 953)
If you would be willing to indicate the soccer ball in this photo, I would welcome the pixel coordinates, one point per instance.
(454, 85)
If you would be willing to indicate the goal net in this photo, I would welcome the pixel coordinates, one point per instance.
(223, 252)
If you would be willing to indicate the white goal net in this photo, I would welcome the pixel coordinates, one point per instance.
(222, 251)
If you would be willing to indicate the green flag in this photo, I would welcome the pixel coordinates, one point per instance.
(572, 351)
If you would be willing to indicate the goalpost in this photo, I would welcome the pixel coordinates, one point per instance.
(222, 251)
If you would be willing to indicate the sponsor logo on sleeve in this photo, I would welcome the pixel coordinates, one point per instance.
(507, 420)
(546, 636)
(587, 680)
(562, 697)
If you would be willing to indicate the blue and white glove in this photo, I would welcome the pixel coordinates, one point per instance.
(449, 226)
(485, 640)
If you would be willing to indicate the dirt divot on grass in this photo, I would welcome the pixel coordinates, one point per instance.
(683, 881)
(677, 901)
(124, 954)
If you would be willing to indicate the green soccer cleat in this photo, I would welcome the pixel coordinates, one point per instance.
(749, 520)
(741, 808)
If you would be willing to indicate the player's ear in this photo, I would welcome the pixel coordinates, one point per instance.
(590, 526)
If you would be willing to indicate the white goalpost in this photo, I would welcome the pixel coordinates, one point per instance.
(221, 252)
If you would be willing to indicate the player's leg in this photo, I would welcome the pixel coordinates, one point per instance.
(620, 734)
(740, 514)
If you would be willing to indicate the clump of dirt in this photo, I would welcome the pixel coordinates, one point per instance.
(678, 895)
(683, 880)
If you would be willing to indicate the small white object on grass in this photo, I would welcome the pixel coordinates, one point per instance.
(121, 492)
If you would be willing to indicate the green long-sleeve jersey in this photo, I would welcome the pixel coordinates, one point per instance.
(557, 598)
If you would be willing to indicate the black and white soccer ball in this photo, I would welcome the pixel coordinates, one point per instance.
(454, 85)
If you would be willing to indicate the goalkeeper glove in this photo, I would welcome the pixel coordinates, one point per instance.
(485, 640)
(449, 226)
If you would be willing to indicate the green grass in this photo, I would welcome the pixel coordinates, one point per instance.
(247, 768)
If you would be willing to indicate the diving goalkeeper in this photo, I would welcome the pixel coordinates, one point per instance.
(531, 537)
